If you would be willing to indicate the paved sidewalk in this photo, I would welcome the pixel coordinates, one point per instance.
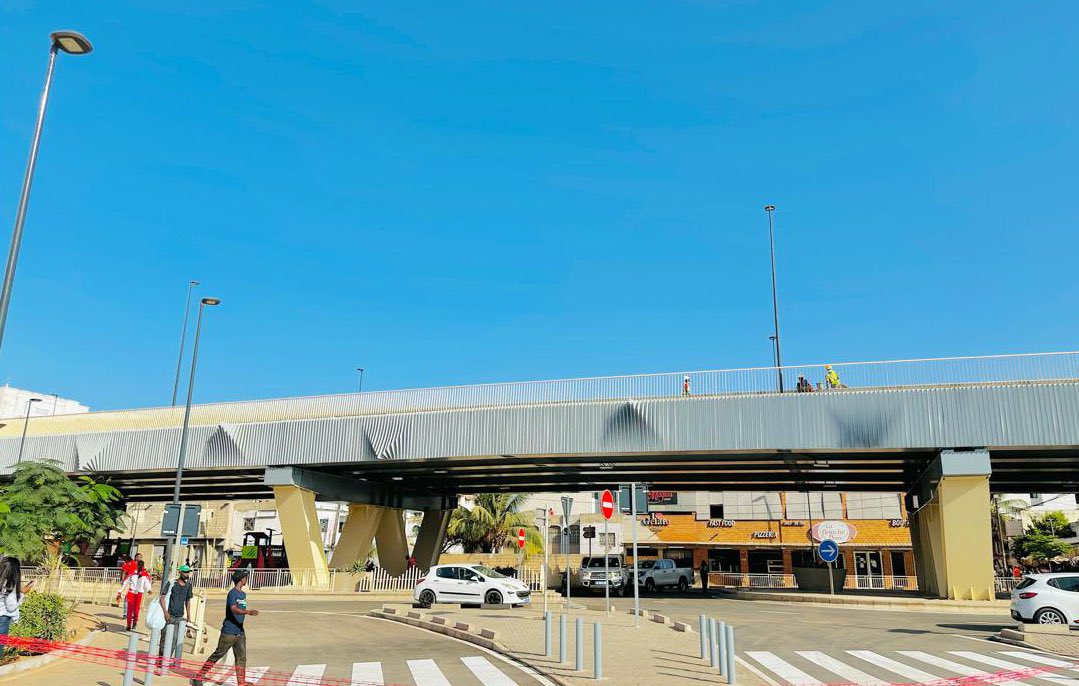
(650, 654)
(883, 602)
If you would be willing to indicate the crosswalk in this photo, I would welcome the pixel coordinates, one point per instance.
(465, 671)
(872, 668)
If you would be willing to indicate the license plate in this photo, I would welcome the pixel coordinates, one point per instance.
(600, 583)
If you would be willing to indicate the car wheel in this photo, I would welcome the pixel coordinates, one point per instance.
(649, 586)
(1049, 616)
(493, 597)
(427, 598)
(682, 584)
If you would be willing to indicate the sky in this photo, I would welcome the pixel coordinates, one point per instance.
(468, 192)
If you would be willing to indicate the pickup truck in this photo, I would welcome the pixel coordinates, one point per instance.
(594, 578)
(656, 574)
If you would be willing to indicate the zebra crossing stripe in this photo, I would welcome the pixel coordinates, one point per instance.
(956, 667)
(1014, 666)
(367, 674)
(855, 676)
(1041, 659)
(306, 675)
(905, 671)
(253, 674)
(488, 674)
(784, 669)
(427, 673)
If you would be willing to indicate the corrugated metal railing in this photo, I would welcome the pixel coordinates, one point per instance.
(949, 371)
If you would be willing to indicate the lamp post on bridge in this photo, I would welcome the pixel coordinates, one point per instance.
(775, 299)
(26, 423)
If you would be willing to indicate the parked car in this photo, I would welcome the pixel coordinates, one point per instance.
(470, 583)
(1047, 599)
(657, 574)
(595, 578)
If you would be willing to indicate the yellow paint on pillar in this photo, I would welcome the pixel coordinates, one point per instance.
(358, 535)
(301, 532)
(391, 542)
(953, 541)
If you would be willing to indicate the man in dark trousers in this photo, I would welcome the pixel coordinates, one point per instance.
(232, 632)
(704, 575)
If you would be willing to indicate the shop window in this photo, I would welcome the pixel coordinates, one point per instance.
(873, 506)
(899, 563)
(803, 558)
(721, 560)
(715, 512)
(765, 562)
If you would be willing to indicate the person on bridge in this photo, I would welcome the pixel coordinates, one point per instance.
(804, 385)
(831, 378)
(232, 632)
(685, 385)
(136, 584)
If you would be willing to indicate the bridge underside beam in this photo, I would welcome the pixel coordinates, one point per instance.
(341, 488)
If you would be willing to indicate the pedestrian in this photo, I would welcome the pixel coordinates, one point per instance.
(232, 632)
(704, 575)
(685, 385)
(137, 583)
(12, 593)
(130, 564)
(1016, 572)
(804, 385)
(176, 602)
(831, 378)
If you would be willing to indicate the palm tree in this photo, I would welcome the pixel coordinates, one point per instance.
(492, 524)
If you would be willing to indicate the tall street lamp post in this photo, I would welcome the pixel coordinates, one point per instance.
(25, 424)
(361, 370)
(775, 299)
(73, 44)
(211, 302)
(183, 338)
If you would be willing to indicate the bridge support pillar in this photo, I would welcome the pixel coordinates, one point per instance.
(950, 527)
(301, 532)
(432, 534)
(391, 542)
(358, 535)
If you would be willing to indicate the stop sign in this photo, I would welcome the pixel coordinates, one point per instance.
(606, 503)
(521, 538)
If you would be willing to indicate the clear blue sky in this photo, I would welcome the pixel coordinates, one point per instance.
(481, 191)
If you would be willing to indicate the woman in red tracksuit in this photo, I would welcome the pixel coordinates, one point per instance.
(137, 583)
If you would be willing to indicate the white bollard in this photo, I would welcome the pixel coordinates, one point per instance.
(151, 657)
(597, 651)
(730, 654)
(562, 631)
(721, 641)
(131, 657)
(548, 627)
(578, 646)
(704, 636)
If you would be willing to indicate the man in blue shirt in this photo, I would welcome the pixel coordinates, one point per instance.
(232, 631)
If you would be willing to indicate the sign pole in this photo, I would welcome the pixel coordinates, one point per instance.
(831, 581)
(636, 589)
(546, 546)
(606, 565)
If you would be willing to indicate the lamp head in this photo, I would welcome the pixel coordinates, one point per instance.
(211, 301)
(71, 42)
(769, 208)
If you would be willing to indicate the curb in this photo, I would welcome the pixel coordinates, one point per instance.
(39, 661)
(869, 603)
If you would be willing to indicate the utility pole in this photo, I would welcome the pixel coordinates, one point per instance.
(775, 298)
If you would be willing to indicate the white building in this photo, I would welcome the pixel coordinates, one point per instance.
(15, 401)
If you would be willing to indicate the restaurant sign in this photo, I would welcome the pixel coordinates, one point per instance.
(764, 534)
(720, 523)
(655, 520)
(840, 532)
(662, 498)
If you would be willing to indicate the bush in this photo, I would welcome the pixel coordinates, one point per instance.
(42, 615)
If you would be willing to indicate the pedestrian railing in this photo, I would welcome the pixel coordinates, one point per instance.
(852, 582)
(1005, 585)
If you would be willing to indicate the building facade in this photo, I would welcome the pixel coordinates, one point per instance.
(14, 403)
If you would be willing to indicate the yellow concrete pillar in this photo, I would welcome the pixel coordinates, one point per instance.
(391, 542)
(358, 535)
(432, 534)
(952, 539)
(301, 532)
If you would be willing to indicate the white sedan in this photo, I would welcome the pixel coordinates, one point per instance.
(1047, 599)
(470, 584)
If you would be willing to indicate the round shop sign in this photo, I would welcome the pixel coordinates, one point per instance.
(840, 532)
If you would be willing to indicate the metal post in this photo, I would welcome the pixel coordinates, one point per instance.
(721, 642)
(636, 589)
(606, 566)
(183, 339)
(578, 646)
(597, 651)
(546, 557)
(730, 654)
(548, 627)
(26, 423)
(151, 657)
(831, 580)
(24, 197)
(703, 624)
(130, 657)
(775, 298)
(562, 640)
(166, 659)
(713, 654)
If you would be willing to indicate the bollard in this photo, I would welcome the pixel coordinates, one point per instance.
(547, 628)
(721, 641)
(562, 657)
(181, 635)
(129, 659)
(597, 651)
(151, 657)
(704, 636)
(578, 663)
(166, 656)
(730, 654)
(713, 644)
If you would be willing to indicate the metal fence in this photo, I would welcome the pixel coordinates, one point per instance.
(1005, 585)
(851, 582)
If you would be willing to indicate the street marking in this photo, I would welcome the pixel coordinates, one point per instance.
(749, 665)
(427, 673)
(254, 674)
(953, 666)
(784, 669)
(367, 673)
(907, 672)
(1041, 659)
(305, 675)
(855, 676)
(1014, 666)
(488, 674)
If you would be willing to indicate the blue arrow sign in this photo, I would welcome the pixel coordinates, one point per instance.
(828, 550)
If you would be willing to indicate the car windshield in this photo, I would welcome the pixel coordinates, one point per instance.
(488, 572)
(647, 564)
(594, 562)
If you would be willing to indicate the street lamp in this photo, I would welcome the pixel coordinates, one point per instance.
(361, 370)
(26, 423)
(205, 302)
(73, 44)
(775, 299)
(183, 338)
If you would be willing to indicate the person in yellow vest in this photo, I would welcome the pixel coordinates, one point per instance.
(831, 378)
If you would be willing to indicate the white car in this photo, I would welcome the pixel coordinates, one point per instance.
(657, 574)
(470, 584)
(1047, 599)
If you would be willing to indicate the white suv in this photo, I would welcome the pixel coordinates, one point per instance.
(470, 584)
(1047, 599)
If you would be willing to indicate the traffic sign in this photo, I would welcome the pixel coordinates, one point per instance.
(567, 507)
(606, 503)
(521, 538)
(828, 550)
(171, 520)
(185, 540)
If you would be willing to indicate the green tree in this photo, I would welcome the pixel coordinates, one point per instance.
(492, 524)
(1040, 547)
(44, 509)
(1051, 523)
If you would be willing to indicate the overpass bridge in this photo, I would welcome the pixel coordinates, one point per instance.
(944, 431)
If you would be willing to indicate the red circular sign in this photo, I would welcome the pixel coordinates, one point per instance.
(521, 538)
(606, 503)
